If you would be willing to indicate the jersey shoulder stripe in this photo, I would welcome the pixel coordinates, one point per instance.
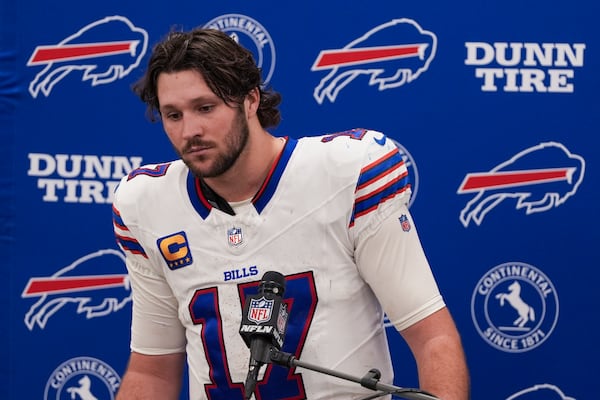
(131, 195)
(370, 202)
(379, 181)
(131, 245)
(117, 220)
(379, 169)
(126, 243)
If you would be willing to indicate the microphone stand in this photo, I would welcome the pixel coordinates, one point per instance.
(369, 381)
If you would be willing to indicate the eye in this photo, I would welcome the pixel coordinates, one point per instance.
(173, 116)
(205, 108)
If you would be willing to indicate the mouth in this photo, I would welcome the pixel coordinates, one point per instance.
(197, 149)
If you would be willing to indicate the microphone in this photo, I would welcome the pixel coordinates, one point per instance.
(263, 326)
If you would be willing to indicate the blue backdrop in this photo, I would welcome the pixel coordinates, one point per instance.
(494, 105)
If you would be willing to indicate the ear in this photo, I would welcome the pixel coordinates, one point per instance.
(252, 102)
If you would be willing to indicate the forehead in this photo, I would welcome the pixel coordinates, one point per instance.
(173, 88)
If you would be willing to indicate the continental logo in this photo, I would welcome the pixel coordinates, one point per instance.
(514, 307)
(413, 172)
(84, 378)
(250, 34)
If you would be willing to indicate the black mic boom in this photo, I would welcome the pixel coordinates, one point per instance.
(264, 321)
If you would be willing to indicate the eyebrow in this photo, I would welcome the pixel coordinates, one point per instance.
(196, 100)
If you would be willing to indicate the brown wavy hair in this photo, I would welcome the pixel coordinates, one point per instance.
(229, 70)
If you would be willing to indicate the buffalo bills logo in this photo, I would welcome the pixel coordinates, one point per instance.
(391, 55)
(84, 284)
(538, 178)
(103, 51)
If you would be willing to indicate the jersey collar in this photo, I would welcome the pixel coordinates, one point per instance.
(204, 202)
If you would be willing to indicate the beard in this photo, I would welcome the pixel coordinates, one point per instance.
(235, 141)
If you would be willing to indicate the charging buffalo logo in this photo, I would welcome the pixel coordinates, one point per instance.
(103, 51)
(81, 285)
(538, 178)
(514, 307)
(390, 55)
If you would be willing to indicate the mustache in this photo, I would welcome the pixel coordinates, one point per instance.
(196, 142)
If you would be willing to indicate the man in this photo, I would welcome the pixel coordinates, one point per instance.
(329, 213)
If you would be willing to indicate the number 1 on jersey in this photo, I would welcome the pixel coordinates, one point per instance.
(278, 382)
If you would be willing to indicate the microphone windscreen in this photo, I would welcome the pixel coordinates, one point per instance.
(273, 276)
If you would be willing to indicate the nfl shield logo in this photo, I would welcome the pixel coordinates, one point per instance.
(260, 310)
(234, 236)
(405, 223)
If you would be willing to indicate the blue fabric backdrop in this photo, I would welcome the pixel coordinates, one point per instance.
(494, 105)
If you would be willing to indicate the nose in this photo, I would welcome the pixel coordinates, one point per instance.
(191, 125)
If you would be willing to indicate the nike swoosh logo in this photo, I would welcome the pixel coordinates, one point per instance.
(381, 140)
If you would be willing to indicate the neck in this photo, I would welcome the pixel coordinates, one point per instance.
(243, 180)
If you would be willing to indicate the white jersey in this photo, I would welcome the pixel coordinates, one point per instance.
(331, 217)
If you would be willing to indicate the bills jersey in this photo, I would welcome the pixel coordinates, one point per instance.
(331, 217)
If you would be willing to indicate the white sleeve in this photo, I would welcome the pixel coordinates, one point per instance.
(155, 326)
(391, 259)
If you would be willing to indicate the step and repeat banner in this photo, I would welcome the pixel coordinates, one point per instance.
(494, 106)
